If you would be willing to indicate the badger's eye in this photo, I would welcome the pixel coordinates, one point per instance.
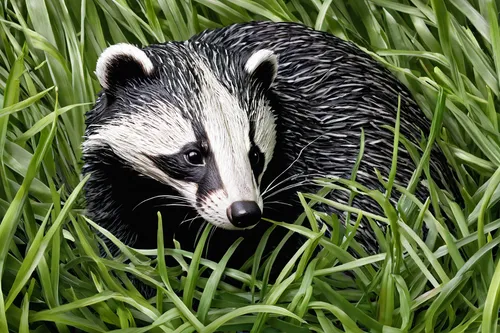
(194, 157)
(254, 156)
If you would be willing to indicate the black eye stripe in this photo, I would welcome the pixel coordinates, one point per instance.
(181, 165)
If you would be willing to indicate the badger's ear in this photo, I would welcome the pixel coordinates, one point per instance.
(263, 66)
(120, 63)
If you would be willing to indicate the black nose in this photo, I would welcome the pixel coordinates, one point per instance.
(244, 213)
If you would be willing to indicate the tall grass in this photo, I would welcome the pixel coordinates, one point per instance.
(51, 274)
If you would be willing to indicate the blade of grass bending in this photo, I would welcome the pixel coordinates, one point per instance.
(409, 234)
(485, 143)
(489, 228)
(106, 277)
(11, 218)
(134, 21)
(385, 302)
(213, 282)
(164, 319)
(477, 57)
(320, 19)
(154, 22)
(341, 254)
(287, 270)
(491, 111)
(477, 20)
(23, 104)
(404, 302)
(347, 322)
(193, 271)
(419, 263)
(346, 207)
(24, 323)
(399, 7)
(45, 121)
(81, 303)
(235, 274)
(434, 132)
(226, 11)
(256, 8)
(36, 251)
(492, 304)
(304, 15)
(271, 298)
(274, 255)
(144, 307)
(493, 184)
(495, 37)
(281, 284)
(350, 309)
(162, 267)
(175, 21)
(487, 271)
(451, 289)
(303, 294)
(122, 247)
(352, 265)
(309, 213)
(10, 97)
(395, 149)
(258, 308)
(257, 259)
(281, 9)
(432, 222)
(74, 321)
(325, 322)
(308, 253)
(481, 165)
(354, 174)
(444, 23)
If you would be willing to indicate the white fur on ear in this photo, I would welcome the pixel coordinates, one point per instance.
(264, 65)
(121, 55)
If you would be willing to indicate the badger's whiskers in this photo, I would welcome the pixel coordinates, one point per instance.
(174, 198)
(292, 163)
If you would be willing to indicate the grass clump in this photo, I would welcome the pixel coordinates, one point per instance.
(52, 277)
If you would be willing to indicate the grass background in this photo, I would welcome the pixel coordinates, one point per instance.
(53, 279)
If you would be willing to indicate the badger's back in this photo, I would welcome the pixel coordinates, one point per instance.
(328, 90)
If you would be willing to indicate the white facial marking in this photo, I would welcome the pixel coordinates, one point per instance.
(227, 128)
(265, 131)
(159, 129)
(121, 49)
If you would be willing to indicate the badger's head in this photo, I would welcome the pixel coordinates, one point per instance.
(192, 117)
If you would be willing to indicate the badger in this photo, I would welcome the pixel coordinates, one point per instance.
(226, 127)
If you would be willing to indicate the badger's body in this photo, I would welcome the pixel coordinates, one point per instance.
(210, 128)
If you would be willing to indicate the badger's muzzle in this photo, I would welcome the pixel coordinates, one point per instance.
(243, 214)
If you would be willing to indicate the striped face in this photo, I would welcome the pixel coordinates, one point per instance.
(194, 119)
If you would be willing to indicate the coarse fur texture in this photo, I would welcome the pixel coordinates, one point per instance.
(269, 105)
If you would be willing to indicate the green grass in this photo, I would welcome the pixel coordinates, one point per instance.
(53, 279)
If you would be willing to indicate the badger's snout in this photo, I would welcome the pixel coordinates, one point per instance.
(243, 214)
